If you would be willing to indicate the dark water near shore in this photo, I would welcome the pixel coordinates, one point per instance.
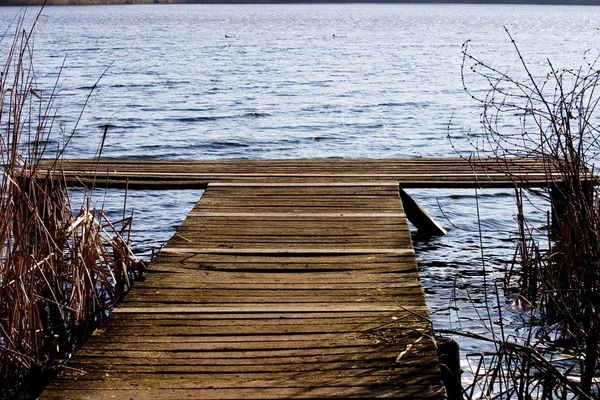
(296, 81)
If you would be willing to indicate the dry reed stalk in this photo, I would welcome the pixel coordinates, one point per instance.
(61, 271)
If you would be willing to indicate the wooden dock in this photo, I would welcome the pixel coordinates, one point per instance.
(292, 279)
(408, 172)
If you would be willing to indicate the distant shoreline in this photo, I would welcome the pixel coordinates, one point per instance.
(113, 2)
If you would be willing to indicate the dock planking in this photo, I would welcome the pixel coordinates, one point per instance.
(282, 290)
(288, 279)
(408, 172)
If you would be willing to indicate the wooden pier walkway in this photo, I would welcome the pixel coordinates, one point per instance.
(408, 172)
(292, 279)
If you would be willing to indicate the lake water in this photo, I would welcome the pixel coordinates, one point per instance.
(297, 81)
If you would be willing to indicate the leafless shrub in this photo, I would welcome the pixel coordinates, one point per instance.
(559, 277)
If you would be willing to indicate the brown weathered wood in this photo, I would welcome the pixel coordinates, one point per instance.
(424, 173)
(273, 291)
(424, 223)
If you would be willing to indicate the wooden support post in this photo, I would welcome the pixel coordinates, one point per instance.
(425, 225)
(558, 199)
(557, 205)
(449, 356)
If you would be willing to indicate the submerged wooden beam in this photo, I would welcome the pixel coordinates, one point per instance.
(425, 224)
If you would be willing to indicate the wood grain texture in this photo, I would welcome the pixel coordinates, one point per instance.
(329, 174)
(271, 292)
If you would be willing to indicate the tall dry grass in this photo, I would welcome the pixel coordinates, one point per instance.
(62, 267)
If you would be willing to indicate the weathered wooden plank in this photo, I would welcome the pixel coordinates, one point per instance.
(381, 307)
(257, 330)
(286, 226)
(128, 320)
(177, 368)
(316, 245)
(298, 215)
(343, 378)
(287, 233)
(409, 301)
(382, 391)
(170, 358)
(273, 285)
(430, 172)
(300, 225)
(244, 294)
(285, 250)
(269, 275)
(299, 318)
(233, 355)
(304, 258)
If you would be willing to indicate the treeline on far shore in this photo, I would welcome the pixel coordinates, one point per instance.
(100, 2)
